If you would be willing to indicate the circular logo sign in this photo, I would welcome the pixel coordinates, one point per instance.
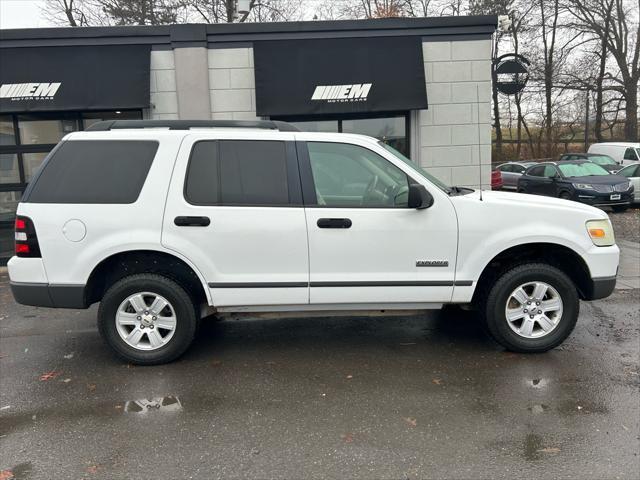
(511, 72)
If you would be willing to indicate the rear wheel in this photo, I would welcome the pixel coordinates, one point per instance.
(147, 319)
(531, 308)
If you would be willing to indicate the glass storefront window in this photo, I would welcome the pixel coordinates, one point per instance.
(90, 118)
(35, 130)
(9, 171)
(317, 126)
(31, 162)
(7, 134)
(8, 204)
(390, 130)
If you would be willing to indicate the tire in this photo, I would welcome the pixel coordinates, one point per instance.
(499, 298)
(620, 208)
(179, 313)
(565, 195)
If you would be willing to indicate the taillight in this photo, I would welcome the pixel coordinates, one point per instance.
(26, 238)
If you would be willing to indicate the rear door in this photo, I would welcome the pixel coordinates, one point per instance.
(235, 210)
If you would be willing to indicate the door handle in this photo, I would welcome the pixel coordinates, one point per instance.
(334, 223)
(192, 221)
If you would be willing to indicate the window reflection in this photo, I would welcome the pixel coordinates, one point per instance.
(9, 172)
(390, 130)
(7, 134)
(31, 163)
(317, 126)
(34, 130)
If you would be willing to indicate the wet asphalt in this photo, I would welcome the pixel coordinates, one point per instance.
(421, 396)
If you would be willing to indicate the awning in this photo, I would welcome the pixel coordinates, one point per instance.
(346, 75)
(74, 78)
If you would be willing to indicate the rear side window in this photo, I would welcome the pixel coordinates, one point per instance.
(96, 171)
(238, 172)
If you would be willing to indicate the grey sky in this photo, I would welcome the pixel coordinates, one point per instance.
(22, 14)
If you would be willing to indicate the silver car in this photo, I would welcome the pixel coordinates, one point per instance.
(511, 172)
(632, 172)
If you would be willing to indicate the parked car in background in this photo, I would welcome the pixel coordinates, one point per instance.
(605, 161)
(511, 172)
(496, 180)
(632, 172)
(580, 181)
(624, 152)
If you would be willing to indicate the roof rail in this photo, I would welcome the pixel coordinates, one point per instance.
(187, 124)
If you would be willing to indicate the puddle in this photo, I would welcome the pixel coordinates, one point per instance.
(156, 404)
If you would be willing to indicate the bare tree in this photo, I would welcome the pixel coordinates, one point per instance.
(616, 24)
(222, 11)
(115, 12)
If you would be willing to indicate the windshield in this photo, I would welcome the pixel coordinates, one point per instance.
(442, 186)
(602, 160)
(585, 169)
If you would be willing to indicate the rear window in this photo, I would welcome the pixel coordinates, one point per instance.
(96, 171)
(238, 172)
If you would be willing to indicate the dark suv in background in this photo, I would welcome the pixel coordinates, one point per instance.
(580, 181)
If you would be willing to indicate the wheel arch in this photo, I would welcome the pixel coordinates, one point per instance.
(130, 262)
(554, 254)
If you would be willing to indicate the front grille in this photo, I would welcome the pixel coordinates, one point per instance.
(603, 188)
(622, 187)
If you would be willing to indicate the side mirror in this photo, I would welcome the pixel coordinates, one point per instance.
(419, 197)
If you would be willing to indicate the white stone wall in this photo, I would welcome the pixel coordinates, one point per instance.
(164, 98)
(454, 134)
(232, 85)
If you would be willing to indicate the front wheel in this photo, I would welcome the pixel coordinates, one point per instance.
(147, 319)
(531, 308)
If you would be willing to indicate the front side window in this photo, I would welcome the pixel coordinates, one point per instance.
(550, 171)
(630, 171)
(630, 154)
(347, 175)
(238, 172)
(536, 171)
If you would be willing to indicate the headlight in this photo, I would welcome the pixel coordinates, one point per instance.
(601, 232)
(584, 186)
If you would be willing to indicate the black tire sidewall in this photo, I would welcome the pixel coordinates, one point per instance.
(180, 300)
(495, 309)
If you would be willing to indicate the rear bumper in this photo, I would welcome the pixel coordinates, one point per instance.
(46, 295)
(600, 287)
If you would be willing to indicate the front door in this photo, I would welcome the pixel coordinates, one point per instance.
(365, 244)
(235, 211)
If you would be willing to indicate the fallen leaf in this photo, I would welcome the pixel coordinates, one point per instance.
(6, 474)
(69, 356)
(411, 421)
(118, 407)
(66, 380)
(579, 407)
(437, 381)
(549, 450)
(92, 469)
(625, 427)
(91, 387)
(49, 375)
(349, 377)
(347, 437)
(7, 407)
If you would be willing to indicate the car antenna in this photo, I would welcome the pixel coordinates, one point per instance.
(478, 128)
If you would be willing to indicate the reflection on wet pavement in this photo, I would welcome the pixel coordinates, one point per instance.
(159, 404)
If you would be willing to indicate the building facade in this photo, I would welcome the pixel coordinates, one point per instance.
(423, 85)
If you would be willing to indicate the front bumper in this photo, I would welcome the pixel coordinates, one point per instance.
(597, 199)
(600, 287)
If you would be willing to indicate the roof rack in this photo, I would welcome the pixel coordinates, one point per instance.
(187, 124)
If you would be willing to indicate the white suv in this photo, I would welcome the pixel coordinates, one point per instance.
(162, 222)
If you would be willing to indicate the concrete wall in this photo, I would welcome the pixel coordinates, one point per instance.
(453, 137)
(231, 82)
(164, 96)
